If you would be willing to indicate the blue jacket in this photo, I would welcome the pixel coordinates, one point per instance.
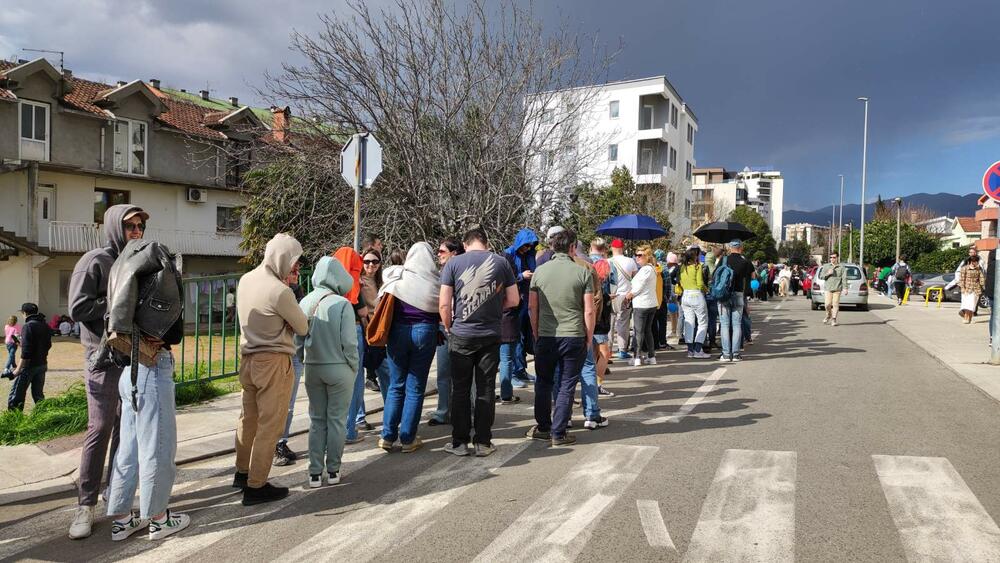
(526, 262)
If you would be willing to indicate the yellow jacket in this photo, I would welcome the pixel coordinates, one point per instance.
(659, 284)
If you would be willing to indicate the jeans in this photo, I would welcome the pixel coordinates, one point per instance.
(747, 328)
(329, 387)
(101, 439)
(567, 354)
(297, 367)
(409, 353)
(731, 318)
(713, 319)
(474, 361)
(356, 412)
(443, 412)
(148, 444)
(11, 356)
(695, 310)
(507, 362)
(588, 385)
(645, 343)
(33, 377)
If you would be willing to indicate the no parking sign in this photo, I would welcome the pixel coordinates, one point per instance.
(991, 181)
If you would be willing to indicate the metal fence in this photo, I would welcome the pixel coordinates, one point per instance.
(211, 346)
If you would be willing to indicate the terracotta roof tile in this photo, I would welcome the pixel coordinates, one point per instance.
(969, 224)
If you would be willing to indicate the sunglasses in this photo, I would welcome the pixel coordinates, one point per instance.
(135, 227)
(443, 251)
(372, 262)
(639, 254)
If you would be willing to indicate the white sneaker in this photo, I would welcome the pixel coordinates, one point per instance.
(649, 361)
(637, 362)
(701, 356)
(826, 320)
(595, 424)
(121, 530)
(460, 450)
(315, 481)
(83, 522)
(483, 450)
(171, 524)
(833, 322)
(333, 478)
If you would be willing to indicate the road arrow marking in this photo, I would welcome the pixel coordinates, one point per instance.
(653, 525)
(938, 517)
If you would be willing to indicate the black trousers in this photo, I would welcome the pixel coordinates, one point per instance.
(33, 377)
(473, 360)
(900, 288)
(660, 324)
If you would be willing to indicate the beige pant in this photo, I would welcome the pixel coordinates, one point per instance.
(832, 301)
(267, 379)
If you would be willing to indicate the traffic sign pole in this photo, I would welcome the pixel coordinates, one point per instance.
(991, 186)
(360, 164)
(357, 191)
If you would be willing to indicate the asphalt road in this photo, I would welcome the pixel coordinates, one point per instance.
(826, 444)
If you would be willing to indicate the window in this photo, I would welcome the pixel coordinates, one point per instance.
(103, 199)
(130, 146)
(34, 131)
(237, 163)
(546, 116)
(613, 109)
(673, 115)
(673, 158)
(687, 171)
(228, 219)
(550, 159)
(646, 117)
(613, 153)
(670, 201)
(64, 277)
(690, 134)
(646, 161)
(687, 208)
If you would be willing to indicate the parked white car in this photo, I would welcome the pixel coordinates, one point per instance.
(857, 290)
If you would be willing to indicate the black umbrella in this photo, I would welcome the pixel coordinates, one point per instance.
(724, 231)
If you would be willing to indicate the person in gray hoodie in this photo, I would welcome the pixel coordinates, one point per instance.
(88, 302)
(330, 355)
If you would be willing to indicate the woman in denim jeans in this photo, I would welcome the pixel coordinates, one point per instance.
(413, 340)
(10, 334)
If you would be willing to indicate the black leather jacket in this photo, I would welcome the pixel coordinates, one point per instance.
(144, 289)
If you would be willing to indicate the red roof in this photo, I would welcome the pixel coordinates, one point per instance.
(182, 116)
(969, 224)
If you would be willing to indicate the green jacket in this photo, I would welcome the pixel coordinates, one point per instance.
(834, 277)
(333, 334)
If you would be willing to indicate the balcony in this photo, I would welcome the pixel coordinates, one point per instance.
(70, 237)
(657, 133)
(655, 175)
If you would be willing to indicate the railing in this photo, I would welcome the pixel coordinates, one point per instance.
(68, 236)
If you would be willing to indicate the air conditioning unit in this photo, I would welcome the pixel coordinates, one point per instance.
(197, 195)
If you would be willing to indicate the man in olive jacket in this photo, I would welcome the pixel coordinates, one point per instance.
(834, 277)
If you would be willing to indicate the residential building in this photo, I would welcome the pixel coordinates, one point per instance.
(964, 231)
(938, 225)
(641, 124)
(813, 235)
(987, 217)
(71, 147)
(718, 191)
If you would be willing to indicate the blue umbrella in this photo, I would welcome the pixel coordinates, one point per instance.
(632, 227)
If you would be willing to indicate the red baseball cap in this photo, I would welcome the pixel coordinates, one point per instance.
(617, 243)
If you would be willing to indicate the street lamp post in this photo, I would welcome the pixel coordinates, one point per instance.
(840, 222)
(899, 211)
(864, 177)
(850, 240)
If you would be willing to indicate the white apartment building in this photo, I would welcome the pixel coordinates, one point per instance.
(718, 191)
(808, 232)
(641, 124)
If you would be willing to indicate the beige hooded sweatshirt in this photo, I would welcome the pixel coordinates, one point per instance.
(266, 306)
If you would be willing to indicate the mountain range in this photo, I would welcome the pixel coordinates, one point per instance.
(952, 205)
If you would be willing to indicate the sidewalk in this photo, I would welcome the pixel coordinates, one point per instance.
(203, 430)
(964, 349)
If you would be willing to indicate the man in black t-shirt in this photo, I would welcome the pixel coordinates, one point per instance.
(731, 310)
(476, 287)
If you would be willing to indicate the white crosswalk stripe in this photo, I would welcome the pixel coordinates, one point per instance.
(653, 525)
(938, 517)
(749, 513)
(400, 515)
(558, 525)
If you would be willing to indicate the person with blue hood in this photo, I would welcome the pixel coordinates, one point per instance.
(331, 359)
(522, 252)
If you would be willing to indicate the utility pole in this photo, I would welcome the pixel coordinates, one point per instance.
(899, 211)
(864, 178)
(840, 222)
(850, 240)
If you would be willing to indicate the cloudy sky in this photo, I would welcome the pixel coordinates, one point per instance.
(773, 82)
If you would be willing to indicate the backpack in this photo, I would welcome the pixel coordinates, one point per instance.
(902, 272)
(722, 282)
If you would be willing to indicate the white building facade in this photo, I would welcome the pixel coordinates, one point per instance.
(643, 125)
(717, 192)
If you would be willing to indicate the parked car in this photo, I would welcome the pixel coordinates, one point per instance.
(857, 290)
(923, 282)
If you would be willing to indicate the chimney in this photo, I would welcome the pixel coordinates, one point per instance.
(234, 101)
(121, 83)
(204, 94)
(155, 83)
(183, 90)
(279, 123)
(67, 74)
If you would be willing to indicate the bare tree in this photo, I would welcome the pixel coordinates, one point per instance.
(478, 111)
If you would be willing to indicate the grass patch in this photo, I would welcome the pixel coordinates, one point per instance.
(66, 414)
(58, 416)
